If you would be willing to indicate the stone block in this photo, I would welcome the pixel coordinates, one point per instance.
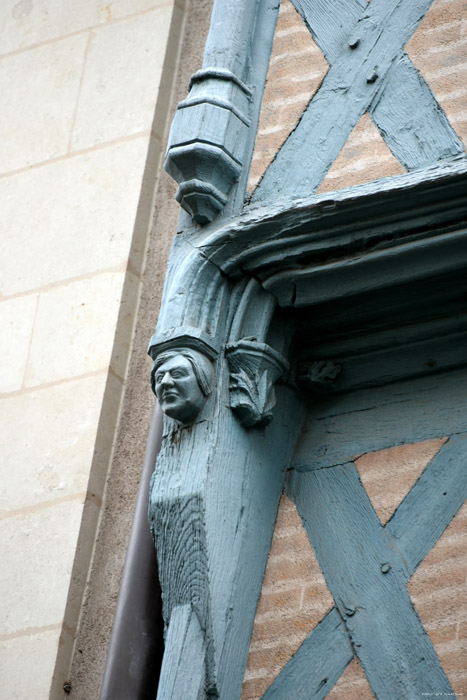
(27, 665)
(16, 321)
(39, 547)
(88, 228)
(40, 89)
(121, 79)
(74, 329)
(49, 457)
(29, 22)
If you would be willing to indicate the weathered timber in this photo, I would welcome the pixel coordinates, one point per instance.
(364, 273)
(353, 82)
(373, 277)
(406, 113)
(341, 427)
(279, 235)
(213, 130)
(317, 665)
(215, 485)
(432, 502)
(395, 361)
(413, 530)
(367, 579)
(254, 365)
(182, 673)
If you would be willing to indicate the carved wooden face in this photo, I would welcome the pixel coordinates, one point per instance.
(177, 389)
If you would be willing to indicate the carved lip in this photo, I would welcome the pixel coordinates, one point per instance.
(170, 394)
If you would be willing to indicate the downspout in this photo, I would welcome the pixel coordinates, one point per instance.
(136, 645)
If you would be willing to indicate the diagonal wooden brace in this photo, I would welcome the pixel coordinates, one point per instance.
(369, 72)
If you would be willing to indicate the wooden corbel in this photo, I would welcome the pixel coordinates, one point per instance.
(216, 488)
(254, 365)
(230, 295)
(254, 369)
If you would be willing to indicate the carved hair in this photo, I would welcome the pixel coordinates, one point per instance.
(202, 367)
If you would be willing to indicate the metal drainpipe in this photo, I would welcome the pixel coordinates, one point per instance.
(136, 645)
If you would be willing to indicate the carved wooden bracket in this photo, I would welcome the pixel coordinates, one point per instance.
(207, 141)
(254, 369)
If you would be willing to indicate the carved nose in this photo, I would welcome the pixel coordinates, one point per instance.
(167, 380)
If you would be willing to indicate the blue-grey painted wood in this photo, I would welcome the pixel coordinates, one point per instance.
(229, 38)
(396, 361)
(317, 665)
(339, 428)
(215, 486)
(331, 23)
(406, 113)
(431, 504)
(416, 526)
(399, 264)
(260, 52)
(263, 455)
(367, 580)
(282, 233)
(182, 672)
(351, 84)
(213, 131)
(413, 125)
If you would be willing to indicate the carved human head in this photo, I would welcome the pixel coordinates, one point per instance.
(181, 379)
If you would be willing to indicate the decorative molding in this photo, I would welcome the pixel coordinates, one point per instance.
(210, 138)
(286, 235)
(206, 149)
(254, 369)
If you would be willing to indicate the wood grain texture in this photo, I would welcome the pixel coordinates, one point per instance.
(361, 274)
(281, 233)
(354, 80)
(213, 506)
(340, 428)
(411, 121)
(367, 579)
(182, 673)
(317, 665)
(431, 504)
(416, 525)
(406, 113)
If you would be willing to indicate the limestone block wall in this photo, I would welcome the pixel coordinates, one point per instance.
(85, 87)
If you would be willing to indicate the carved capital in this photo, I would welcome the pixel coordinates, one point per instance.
(254, 369)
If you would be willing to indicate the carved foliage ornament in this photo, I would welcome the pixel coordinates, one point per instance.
(254, 369)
